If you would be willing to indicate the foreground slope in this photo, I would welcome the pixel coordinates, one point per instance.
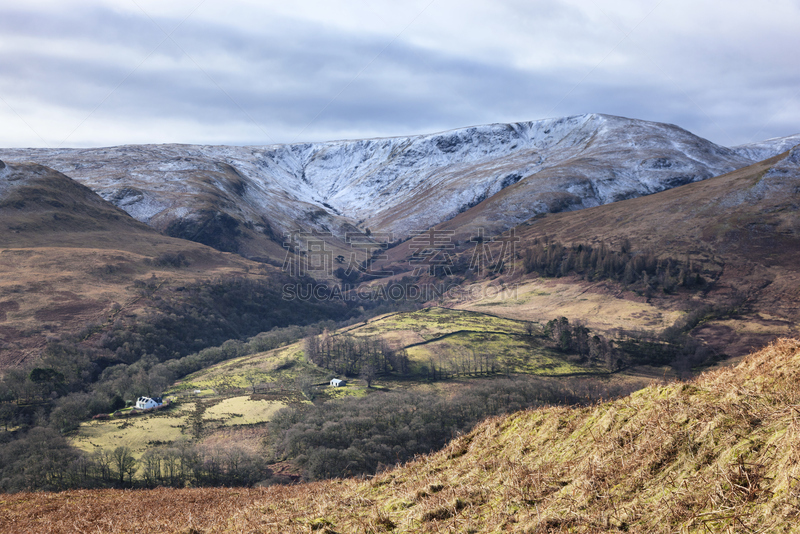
(242, 199)
(719, 453)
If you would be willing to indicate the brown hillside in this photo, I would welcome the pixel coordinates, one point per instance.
(745, 223)
(743, 226)
(68, 259)
(718, 454)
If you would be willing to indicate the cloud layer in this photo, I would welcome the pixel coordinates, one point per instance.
(98, 73)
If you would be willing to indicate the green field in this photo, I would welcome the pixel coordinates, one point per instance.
(246, 392)
(512, 352)
(138, 433)
(192, 420)
(440, 335)
(279, 368)
(242, 410)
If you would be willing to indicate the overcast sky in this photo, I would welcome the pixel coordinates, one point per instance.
(101, 72)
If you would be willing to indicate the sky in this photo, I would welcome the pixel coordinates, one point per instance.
(94, 73)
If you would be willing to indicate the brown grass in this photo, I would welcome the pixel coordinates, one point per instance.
(718, 454)
(69, 259)
(741, 226)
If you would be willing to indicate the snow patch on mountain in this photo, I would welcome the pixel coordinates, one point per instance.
(398, 184)
(769, 148)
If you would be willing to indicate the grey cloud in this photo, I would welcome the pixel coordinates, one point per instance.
(298, 79)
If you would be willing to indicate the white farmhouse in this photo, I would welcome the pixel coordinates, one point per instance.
(143, 403)
(337, 383)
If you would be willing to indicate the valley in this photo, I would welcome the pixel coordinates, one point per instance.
(515, 309)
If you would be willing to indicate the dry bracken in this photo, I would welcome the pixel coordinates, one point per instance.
(718, 454)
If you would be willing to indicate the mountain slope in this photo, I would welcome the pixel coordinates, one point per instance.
(768, 148)
(720, 453)
(747, 221)
(739, 214)
(69, 260)
(743, 228)
(244, 198)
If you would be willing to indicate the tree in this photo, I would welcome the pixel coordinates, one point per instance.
(71, 410)
(529, 329)
(124, 464)
(305, 383)
(252, 377)
(368, 374)
(7, 414)
(40, 374)
(117, 403)
(152, 462)
(102, 461)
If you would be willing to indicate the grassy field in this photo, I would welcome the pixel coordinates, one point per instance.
(515, 353)
(541, 300)
(279, 368)
(426, 334)
(188, 420)
(434, 322)
(243, 410)
(138, 433)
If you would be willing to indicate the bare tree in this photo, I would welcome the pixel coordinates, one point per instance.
(368, 374)
(124, 464)
(252, 378)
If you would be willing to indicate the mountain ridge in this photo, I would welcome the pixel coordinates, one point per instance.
(243, 199)
(761, 150)
(71, 261)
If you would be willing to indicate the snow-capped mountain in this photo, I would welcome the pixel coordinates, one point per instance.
(244, 198)
(766, 149)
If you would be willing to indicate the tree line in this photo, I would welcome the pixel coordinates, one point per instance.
(641, 269)
(368, 357)
(350, 355)
(576, 338)
(452, 360)
(43, 460)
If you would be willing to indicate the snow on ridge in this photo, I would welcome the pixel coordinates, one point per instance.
(426, 178)
(768, 148)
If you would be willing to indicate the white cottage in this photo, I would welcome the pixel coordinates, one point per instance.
(337, 383)
(143, 403)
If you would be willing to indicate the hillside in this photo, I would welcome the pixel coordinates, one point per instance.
(739, 229)
(243, 199)
(718, 453)
(768, 148)
(72, 264)
(451, 368)
(743, 224)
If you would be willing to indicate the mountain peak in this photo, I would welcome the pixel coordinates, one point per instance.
(396, 185)
(768, 148)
